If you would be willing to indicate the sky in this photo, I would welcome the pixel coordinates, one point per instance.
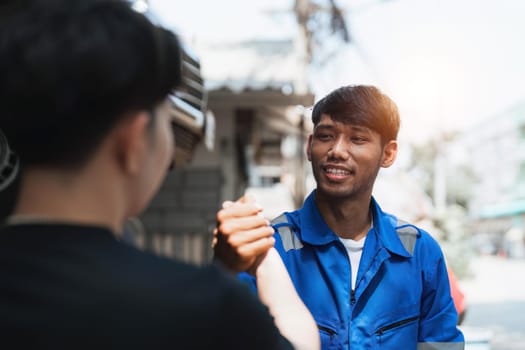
(449, 64)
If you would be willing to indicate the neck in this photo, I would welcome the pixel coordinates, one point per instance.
(76, 197)
(347, 217)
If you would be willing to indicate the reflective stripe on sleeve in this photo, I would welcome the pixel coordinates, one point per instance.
(441, 346)
(288, 236)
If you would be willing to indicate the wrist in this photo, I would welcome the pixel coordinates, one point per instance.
(265, 263)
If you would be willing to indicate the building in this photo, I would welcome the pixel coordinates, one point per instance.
(260, 112)
(496, 154)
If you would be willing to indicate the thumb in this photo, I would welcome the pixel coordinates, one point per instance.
(247, 198)
(227, 204)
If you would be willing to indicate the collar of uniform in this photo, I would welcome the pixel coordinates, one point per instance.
(385, 226)
(314, 230)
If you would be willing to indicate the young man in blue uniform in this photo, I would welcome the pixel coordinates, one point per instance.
(370, 280)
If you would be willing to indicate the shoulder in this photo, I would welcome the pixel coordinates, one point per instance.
(287, 231)
(140, 280)
(161, 274)
(419, 242)
(407, 231)
(179, 293)
(175, 285)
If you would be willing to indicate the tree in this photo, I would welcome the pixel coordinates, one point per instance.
(458, 178)
(315, 20)
(433, 167)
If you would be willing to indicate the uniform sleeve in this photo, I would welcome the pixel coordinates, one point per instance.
(438, 329)
(247, 324)
(248, 280)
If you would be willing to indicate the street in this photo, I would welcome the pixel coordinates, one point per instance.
(496, 303)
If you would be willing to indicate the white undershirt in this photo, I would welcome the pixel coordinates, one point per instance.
(354, 249)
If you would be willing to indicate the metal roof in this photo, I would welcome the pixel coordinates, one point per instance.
(251, 66)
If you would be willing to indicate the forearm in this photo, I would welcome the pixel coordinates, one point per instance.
(277, 292)
(438, 313)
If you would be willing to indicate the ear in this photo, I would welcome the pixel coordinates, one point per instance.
(131, 142)
(389, 154)
(309, 148)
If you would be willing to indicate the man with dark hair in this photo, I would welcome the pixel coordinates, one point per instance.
(83, 98)
(370, 280)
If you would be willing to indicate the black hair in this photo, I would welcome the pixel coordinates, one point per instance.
(69, 69)
(360, 105)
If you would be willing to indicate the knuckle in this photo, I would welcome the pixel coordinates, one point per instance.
(270, 230)
(227, 227)
(264, 231)
(244, 252)
(234, 241)
(221, 215)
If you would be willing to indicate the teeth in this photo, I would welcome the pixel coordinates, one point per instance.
(337, 171)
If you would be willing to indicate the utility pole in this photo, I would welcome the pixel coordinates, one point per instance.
(302, 46)
(303, 52)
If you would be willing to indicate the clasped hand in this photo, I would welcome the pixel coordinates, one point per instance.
(243, 235)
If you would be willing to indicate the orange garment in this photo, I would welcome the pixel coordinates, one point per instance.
(455, 290)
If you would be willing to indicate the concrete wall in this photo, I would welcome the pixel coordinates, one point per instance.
(180, 219)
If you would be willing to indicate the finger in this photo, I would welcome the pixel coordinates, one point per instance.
(238, 210)
(236, 225)
(250, 236)
(227, 204)
(214, 237)
(256, 248)
(247, 198)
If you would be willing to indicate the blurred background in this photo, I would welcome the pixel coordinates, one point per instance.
(252, 71)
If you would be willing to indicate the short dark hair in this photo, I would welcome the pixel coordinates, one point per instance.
(69, 69)
(361, 105)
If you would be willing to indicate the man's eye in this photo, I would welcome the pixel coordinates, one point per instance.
(359, 139)
(323, 137)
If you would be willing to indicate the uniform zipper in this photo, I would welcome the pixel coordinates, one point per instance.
(381, 330)
(330, 331)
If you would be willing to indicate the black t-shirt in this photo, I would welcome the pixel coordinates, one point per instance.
(79, 287)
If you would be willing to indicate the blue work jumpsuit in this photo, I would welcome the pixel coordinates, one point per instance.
(402, 296)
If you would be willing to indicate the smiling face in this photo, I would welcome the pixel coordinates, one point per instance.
(346, 158)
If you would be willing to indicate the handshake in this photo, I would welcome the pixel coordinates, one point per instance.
(243, 241)
(243, 236)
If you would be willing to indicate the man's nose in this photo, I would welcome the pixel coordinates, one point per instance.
(340, 149)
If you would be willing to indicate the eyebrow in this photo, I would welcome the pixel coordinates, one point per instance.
(361, 128)
(324, 127)
(357, 128)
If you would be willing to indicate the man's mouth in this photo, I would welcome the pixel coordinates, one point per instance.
(336, 173)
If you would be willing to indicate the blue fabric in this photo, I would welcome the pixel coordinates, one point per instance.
(400, 299)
